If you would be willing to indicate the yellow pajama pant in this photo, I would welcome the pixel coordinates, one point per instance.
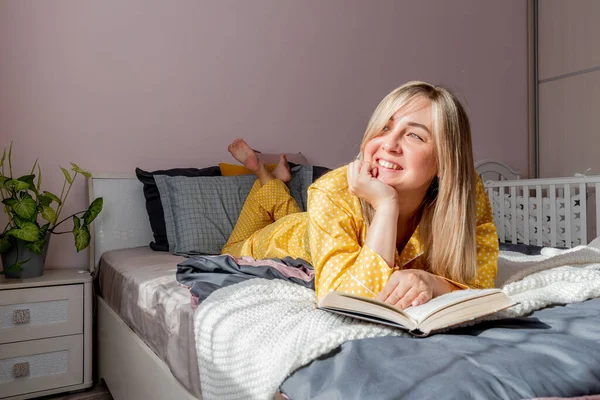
(264, 205)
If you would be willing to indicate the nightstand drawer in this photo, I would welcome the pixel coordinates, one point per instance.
(36, 365)
(43, 312)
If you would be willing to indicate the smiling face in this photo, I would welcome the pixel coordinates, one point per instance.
(404, 150)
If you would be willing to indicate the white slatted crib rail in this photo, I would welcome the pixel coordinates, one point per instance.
(546, 212)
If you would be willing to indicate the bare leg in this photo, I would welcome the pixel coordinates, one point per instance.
(282, 170)
(240, 150)
(268, 201)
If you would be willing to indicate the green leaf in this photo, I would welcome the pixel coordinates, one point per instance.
(82, 238)
(34, 165)
(3, 158)
(53, 197)
(37, 247)
(44, 229)
(24, 208)
(39, 184)
(19, 221)
(2, 180)
(6, 243)
(10, 159)
(93, 210)
(76, 223)
(76, 168)
(29, 232)
(67, 175)
(44, 200)
(16, 185)
(28, 179)
(17, 266)
(49, 214)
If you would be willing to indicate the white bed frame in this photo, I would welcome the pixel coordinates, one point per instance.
(131, 370)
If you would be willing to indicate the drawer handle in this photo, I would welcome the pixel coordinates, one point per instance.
(21, 316)
(21, 370)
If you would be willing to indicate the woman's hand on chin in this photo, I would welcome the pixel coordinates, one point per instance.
(412, 287)
(363, 183)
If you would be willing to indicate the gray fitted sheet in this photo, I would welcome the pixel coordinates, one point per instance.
(139, 284)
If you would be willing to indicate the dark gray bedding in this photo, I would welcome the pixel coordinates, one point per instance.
(553, 352)
(205, 274)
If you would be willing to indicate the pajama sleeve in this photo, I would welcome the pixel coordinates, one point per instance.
(340, 261)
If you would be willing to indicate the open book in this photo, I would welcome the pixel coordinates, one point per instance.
(439, 313)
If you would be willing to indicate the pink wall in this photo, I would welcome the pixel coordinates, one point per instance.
(115, 84)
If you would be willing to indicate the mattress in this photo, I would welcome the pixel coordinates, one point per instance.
(139, 285)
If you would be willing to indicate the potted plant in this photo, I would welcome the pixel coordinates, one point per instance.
(24, 240)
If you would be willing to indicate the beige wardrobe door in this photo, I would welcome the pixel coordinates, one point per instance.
(569, 125)
(568, 36)
(569, 91)
(569, 87)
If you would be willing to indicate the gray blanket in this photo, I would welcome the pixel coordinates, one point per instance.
(553, 352)
(205, 274)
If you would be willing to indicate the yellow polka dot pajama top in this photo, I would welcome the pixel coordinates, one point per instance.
(331, 236)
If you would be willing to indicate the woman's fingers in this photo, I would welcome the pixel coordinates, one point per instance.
(397, 294)
(406, 301)
(359, 174)
(365, 169)
(422, 298)
(351, 168)
(356, 167)
(353, 173)
(406, 288)
(363, 183)
(374, 172)
(388, 288)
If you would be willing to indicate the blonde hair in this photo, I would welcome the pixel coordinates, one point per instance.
(448, 212)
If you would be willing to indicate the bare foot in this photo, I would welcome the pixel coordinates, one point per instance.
(282, 170)
(240, 150)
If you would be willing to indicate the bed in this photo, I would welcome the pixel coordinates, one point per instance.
(128, 365)
(144, 329)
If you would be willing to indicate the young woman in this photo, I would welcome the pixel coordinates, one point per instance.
(407, 221)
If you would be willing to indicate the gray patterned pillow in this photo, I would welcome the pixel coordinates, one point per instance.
(200, 212)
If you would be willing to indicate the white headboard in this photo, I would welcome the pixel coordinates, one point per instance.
(495, 171)
(123, 221)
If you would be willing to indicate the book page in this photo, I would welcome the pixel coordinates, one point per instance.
(356, 306)
(419, 313)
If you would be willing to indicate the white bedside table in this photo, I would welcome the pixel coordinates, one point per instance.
(45, 334)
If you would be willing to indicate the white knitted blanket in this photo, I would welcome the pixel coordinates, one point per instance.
(252, 335)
